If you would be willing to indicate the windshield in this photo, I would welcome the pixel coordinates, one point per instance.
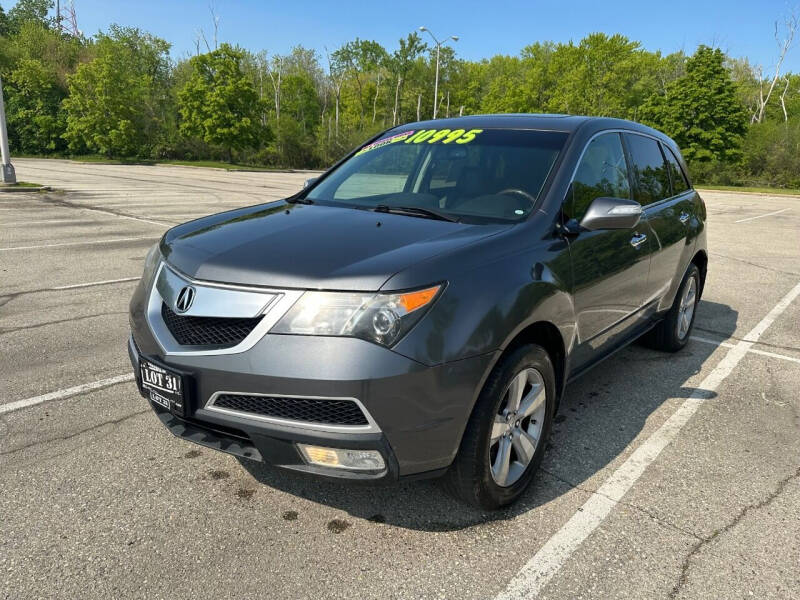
(471, 175)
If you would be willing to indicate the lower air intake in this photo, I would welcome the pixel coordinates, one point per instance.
(308, 410)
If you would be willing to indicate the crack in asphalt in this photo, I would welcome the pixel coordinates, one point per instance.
(49, 199)
(5, 330)
(9, 296)
(636, 507)
(684, 575)
(75, 434)
(738, 339)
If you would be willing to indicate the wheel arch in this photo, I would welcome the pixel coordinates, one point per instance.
(700, 260)
(548, 336)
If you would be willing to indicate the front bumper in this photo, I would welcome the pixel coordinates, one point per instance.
(419, 412)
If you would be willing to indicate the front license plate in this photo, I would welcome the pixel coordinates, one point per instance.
(164, 386)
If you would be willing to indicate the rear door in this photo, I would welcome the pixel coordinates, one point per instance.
(667, 209)
(609, 266)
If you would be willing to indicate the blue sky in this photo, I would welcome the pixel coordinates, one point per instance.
(486, 27)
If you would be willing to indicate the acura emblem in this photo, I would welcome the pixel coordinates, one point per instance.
(185, 299)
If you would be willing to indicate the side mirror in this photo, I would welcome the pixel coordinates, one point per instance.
(309, 182)
(612, 213)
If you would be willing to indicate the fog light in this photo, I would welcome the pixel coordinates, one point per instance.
(338, 458)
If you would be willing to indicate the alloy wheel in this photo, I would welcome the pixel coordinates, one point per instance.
(517, 427)
(686, 308)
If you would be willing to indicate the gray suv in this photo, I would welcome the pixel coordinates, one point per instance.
(418, 309)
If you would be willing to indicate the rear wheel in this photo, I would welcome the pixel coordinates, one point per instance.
(672, 334)
(507, 432)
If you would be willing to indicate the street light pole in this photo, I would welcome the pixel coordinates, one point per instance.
(438, 50)
(436, 84)
(8, 174)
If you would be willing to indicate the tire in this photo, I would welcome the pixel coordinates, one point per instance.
(673, 332)
(476, 475)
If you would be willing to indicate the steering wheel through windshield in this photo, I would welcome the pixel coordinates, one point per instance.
(523, 193)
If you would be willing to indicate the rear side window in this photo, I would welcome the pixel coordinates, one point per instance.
(602, 172)
(679, 183)
(649, 168)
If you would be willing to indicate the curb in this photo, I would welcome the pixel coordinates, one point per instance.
(242, 170)
(11, 189)
(770, 194)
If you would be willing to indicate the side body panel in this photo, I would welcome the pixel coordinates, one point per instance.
(609, 289)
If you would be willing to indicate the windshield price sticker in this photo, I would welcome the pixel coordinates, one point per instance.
(445, 136)
(430, 136)
(398, 137)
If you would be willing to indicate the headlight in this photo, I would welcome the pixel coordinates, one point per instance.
(151, 262)
(380, 318)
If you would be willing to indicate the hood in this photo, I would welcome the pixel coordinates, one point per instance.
(311, 246)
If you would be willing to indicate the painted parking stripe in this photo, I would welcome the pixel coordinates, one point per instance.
(697, 338)
(539, 570)
(84, 243)
(777, 212)
(93, 283)
(66, 393)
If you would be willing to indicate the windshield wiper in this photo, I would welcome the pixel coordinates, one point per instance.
(296, 200)
(416, 211)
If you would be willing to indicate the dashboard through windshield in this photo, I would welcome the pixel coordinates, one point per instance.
(475, 175)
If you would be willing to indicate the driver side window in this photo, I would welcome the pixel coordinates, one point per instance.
(603, 172)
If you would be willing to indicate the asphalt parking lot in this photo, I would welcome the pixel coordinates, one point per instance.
(668, 476)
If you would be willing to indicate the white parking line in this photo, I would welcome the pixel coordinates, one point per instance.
(64, 394)
(108, 241)
(697, 338)
(93, 283)
(539, 570)
(777, 212)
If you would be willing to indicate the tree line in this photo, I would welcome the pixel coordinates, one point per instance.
(118, 94)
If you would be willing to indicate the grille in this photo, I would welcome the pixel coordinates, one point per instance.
(207, 331)
(329, 412)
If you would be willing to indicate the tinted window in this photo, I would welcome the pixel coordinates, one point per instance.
(387, 172)
(475, 175)
(603, 171)
(649, 168)
(679, 183)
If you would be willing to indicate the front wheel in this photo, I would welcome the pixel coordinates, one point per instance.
(672, 333)
(505, 437)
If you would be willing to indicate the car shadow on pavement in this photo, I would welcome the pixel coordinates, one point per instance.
(599, 416)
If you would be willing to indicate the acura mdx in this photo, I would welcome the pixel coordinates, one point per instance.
(418, 309)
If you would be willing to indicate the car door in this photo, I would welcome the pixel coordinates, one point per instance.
(667, 210)
(609, 266)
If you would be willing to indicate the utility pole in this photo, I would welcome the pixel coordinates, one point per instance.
(438, 49)
(9, 176)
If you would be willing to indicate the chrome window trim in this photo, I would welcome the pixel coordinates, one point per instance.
(371, 427)
(276, 303)
(634, 132)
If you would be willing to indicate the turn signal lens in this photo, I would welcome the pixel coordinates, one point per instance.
(414, 300)
(339, 458)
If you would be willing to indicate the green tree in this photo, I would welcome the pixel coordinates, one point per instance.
(219, 103)
(118, 101)
(701, 111)
(400, 64)
(36, 121)
(37, 60)
(5, 26)
(26, 11)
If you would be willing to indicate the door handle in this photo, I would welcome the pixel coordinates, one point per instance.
(638, 239)
(684, 217)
